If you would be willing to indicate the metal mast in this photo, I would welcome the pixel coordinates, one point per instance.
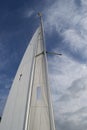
(50, 106)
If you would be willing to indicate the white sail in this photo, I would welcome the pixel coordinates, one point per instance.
(28, 105)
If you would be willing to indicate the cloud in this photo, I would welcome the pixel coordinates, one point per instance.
(78, 86)
(67, 81)
(69, 87)
(72, 120)
(70, 125)
(66, 70)
(68, 73)
(70, 21)
(84, 2)
(28, 13)
(58, 16)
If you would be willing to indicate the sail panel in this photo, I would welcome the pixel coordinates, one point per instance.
(29, 105)
(39, 118)
(14, 114)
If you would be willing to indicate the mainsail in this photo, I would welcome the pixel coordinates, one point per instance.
(29, 104)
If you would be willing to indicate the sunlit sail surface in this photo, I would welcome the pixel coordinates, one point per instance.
(29, 104)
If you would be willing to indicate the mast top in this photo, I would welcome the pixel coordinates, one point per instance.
(39, 14)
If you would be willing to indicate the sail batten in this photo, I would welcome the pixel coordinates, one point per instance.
(29, 105)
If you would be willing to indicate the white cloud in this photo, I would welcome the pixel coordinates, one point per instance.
(84, 2)
(28, 13)
(70, 22)
(65, 70)
(60, 14)
(69, 89)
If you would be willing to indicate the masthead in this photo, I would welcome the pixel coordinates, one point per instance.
(39, 14)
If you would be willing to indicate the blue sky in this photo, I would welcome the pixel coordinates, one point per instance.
(65, 25)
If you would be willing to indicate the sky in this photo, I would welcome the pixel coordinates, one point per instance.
(65, 27)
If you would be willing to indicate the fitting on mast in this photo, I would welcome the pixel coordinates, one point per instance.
(41, 22)
(40, 16)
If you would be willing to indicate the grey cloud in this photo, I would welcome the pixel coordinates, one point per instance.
(75, 91)
(68, 125)
(80, 113)
(72, 120)
(78, 3)
(65, 98)
(79, 85)
(82, 110)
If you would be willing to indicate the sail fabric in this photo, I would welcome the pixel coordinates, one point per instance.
(40, 116)
(13, 117)
(39, 112)
(28, 105)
